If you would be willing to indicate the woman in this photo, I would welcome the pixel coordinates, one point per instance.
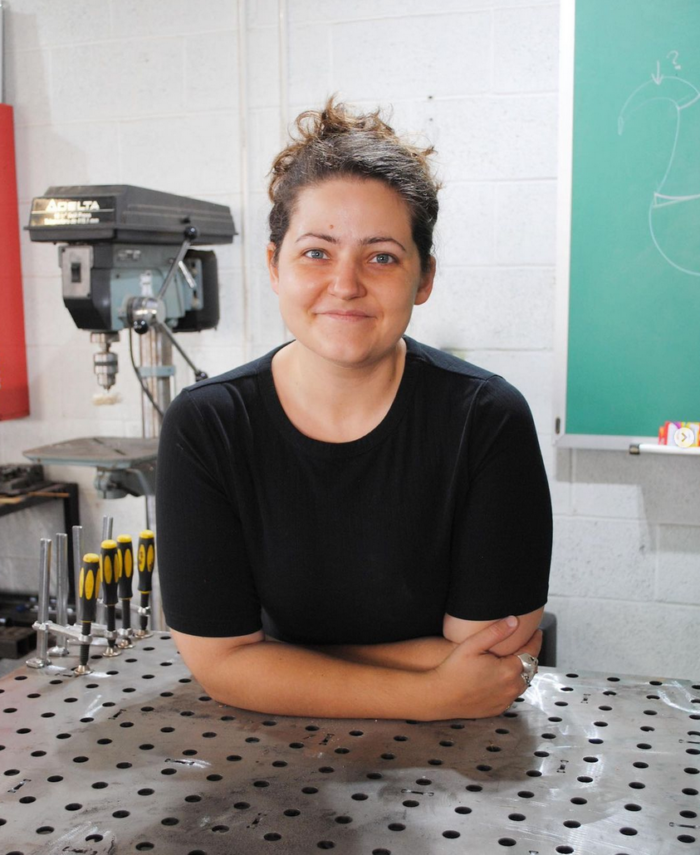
(346, 522)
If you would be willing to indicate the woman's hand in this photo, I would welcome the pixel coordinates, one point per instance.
(474, 683)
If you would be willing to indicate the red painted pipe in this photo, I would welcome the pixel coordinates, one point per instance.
(14, 390)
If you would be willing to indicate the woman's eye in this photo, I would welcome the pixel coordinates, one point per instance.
(383, 258)
(315, 253)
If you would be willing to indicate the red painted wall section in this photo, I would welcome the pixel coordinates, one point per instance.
(14, 391)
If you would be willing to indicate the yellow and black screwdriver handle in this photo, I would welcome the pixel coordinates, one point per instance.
(146, 563)
(88, 591)
(126, 579)
(110, 563)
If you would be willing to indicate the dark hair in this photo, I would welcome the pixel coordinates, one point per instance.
(334, 143)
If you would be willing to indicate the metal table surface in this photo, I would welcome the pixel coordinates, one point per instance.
(136, 758)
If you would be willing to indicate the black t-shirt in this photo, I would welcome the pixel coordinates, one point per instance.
(443, 507)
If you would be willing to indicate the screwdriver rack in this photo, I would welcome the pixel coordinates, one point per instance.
(114, 569)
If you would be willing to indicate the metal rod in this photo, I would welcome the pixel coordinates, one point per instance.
(62, 570)
(77, 561)
(107, 524)
(41, 659)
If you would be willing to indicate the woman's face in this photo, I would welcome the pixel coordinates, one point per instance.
(348, 272)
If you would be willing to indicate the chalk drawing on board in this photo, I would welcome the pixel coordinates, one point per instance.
(675, 202)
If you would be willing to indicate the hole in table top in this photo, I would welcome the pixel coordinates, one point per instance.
(434, 762)
(689, 791)
(691, 770)
(457, 726)
(358, 797)
(585, 779)
(193, 798)
(474, 788)
(396, 826)
(688, 814)
(325, 844)
(126, 765)
(630, 832)
(27, 800)
(564, 849)
(44, 829)
(121, 814)
(94, 838)
(279, 763)
(451, 835)
(506, 841)
(483, 767)
(541, 753)
(686, 838)
(637, 785)
(220, 829)
(342, 751)
(577, 800)
(144, 846)
(640, 765)
(146, 791)
(381, 852)
(526, 794)
(241, 805)
(326, 769)
(517, 817)
(572, 823)
(170, 820)
(633, 807)
(463, 809)
(292, 812)
(596, 741)
(345, 820)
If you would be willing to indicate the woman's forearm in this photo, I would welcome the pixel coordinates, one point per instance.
(415, 654)
(285, 679)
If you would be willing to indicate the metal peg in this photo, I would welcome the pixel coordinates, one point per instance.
(61, 647)
(41, 659)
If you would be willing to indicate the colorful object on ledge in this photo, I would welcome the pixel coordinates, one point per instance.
(680, 434)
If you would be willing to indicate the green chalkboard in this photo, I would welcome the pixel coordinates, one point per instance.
(631, 219)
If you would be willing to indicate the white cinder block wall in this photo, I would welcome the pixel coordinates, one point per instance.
(153, 93)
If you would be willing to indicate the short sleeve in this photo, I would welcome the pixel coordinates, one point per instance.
(502, 531)
(207, 585)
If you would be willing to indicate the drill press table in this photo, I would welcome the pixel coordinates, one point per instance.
(135, 758)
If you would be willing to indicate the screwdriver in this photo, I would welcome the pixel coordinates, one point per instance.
(126, 553)
(146, 562)
(88, 590)
(110, 562)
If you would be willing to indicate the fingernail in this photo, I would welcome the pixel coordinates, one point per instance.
(512, 620)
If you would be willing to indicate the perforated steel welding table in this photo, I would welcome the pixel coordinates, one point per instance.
(135, 758)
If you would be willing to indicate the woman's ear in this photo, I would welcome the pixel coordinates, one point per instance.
(272, 266)
(426, 283)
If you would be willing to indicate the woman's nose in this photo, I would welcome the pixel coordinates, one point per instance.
(346, 282)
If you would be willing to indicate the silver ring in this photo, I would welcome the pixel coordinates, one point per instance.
(530, 664)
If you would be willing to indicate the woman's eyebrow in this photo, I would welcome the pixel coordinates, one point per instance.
(363, 242)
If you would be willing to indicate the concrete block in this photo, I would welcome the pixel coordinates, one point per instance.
(607, 484)
(488, 308)
(72, 153)
(190, 155)
(265, 13)
(339, 10)
(612, 559)
(211, 72)
(465, 232)
(27, 86)
(526, 49)
(46, 381)
(443, 55)
(173, 17)
(46, 319)
(43, 23)
(263, 70)
(489, 138)
(526, 223)
(658, 489)
(266, 141)
(646, 639)
(139, 77)
(309, 64)
(678, 568)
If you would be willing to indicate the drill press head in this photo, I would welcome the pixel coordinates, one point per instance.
(119, 245)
